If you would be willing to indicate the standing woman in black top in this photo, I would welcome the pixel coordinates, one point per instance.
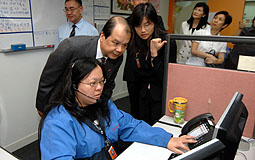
(144, 64)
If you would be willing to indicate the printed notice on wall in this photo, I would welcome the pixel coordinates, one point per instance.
(15, 23)
(15, 16)
(34, 22)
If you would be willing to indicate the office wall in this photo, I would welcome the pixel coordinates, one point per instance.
(164, 7)
(20, 73)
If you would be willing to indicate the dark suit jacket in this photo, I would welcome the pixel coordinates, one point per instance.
(239, 49)
(146, 74)
(62, 57)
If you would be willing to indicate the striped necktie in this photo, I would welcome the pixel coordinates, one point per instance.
(73, 31)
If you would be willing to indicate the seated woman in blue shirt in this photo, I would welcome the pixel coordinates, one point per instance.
(77, 125)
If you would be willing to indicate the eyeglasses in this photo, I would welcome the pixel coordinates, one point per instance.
(146, 26)
(94, 84)
(71, 9)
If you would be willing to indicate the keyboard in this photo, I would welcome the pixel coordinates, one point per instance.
(200, 140)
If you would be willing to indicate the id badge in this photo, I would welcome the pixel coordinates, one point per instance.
(138, 62)
(112, 152)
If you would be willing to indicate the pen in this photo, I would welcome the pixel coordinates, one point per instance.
(170, 124)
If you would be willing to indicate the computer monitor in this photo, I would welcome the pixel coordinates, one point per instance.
(226, 135)
(230, 126)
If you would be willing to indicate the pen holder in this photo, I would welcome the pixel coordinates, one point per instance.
(179, 107)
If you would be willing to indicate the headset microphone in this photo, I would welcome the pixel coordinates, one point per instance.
(98, 100)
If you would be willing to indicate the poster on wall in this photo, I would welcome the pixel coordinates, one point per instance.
(125, 7)
(121, 7)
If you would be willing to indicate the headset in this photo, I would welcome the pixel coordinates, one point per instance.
(76, 89)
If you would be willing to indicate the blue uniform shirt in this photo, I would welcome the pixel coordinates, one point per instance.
(63, 137)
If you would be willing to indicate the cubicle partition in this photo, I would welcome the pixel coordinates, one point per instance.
(209, 89)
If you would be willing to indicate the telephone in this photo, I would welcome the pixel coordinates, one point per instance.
(201, 127)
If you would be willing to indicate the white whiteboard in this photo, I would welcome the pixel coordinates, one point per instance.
(34, 22)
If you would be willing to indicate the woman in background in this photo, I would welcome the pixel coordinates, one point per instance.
(78, 125)
(197, 21)
(210, 53)
(144, 64)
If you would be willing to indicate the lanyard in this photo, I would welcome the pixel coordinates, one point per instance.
(97, 125)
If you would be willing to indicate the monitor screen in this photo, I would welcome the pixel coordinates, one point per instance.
(230, 126)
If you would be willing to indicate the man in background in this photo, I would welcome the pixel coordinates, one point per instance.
(241, 48)
(246, 31)
(107, 48)
(75, 24)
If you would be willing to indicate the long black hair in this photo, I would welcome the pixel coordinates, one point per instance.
(141, 11)
(203, 21)
(65, 93)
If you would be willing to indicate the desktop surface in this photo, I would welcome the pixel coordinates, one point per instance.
(138, 151)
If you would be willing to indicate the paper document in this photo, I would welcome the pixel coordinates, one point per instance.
(246, 63)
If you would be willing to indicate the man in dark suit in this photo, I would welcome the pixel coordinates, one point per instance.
(111, 44)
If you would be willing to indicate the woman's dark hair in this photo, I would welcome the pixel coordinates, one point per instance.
(203, 21)
(228, 18)
(65, 92)
(139, 13)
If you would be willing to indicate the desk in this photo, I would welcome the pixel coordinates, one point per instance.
(4, 155)
(138, 151)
